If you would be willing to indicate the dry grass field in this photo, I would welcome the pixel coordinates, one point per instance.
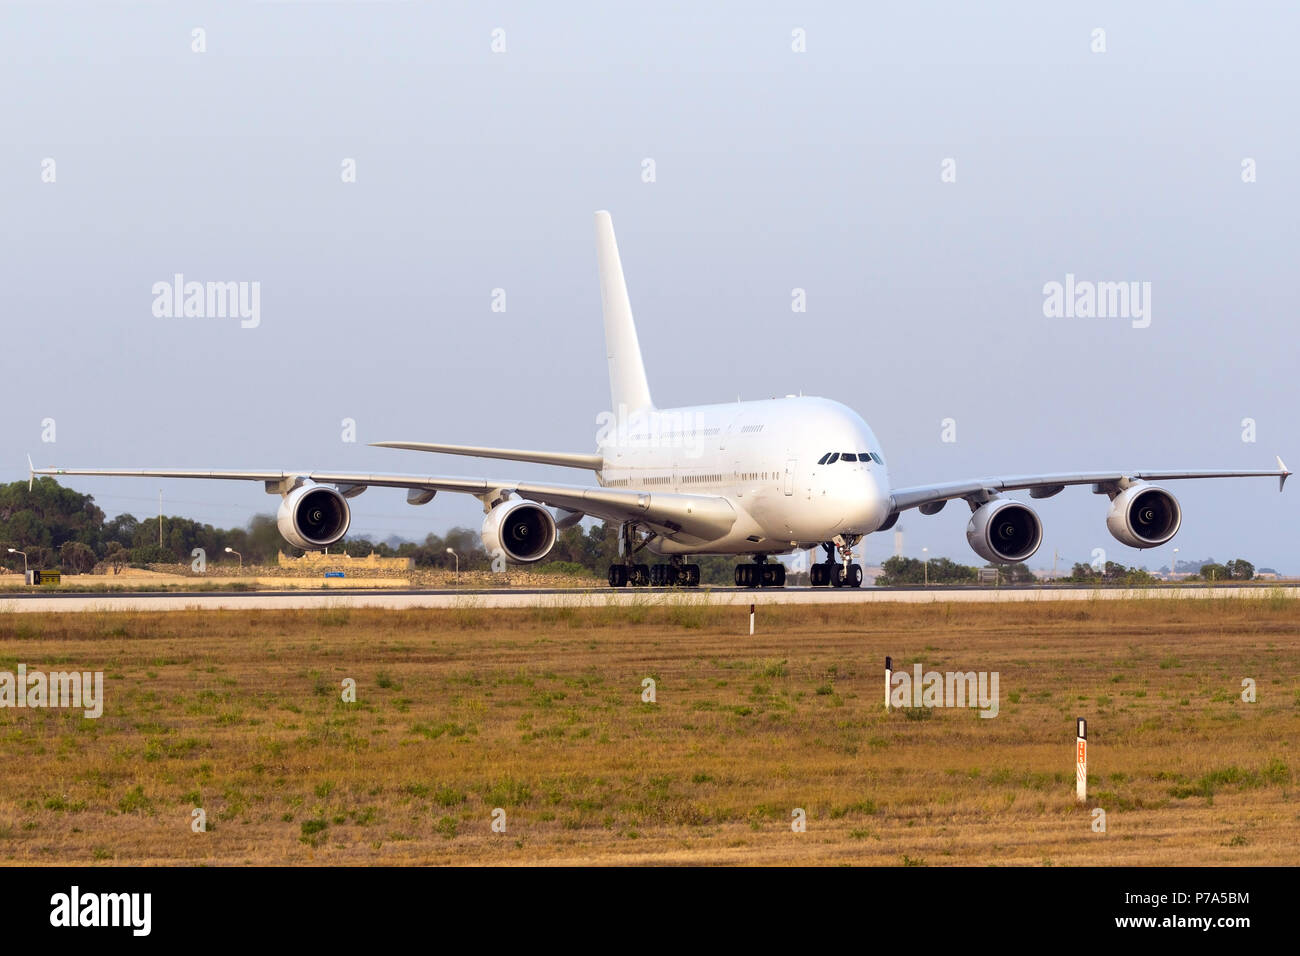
(539, 712)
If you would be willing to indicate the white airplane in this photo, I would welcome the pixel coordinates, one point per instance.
(755, 478)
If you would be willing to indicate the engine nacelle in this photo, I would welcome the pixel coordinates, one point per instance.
(1004, 531)
(522, 531)
(1144, 516)
(313, 516)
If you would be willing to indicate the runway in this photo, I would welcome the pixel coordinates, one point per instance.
(607, 597)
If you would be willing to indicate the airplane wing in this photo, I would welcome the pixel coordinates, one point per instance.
(681, 517)
(561, 459)
(930, 499)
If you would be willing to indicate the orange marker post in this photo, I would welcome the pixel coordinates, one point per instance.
(1081, 761)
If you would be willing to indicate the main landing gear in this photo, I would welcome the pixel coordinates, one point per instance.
(760, 574)
(622, 575)
(834, 574)
(675, 575)
(654, 575)
(627, 573)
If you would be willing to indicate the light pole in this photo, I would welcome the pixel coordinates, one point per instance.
(1173, 564)
(452, 552)
(24, 554)
(926, 552)
(230, 550)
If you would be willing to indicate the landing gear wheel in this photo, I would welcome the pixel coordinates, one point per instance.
(848, 574)
(618, 575)
(681, 575)
(640, 576)
(819, 575)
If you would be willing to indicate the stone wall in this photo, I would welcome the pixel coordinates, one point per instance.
(320, 560)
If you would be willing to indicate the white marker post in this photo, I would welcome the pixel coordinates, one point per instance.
(1081, 761)
(889, 673)
(751, 620)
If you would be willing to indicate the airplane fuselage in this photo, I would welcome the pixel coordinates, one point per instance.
(793, 468)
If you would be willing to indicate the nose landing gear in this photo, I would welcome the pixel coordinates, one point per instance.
(834, 574)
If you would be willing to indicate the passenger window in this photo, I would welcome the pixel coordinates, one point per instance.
(849, 456)
(835, 456)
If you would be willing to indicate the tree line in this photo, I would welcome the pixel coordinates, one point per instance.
(898, 570)
(1112, 572)
(61, 529)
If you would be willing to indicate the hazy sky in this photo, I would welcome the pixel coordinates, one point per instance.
(774, 170)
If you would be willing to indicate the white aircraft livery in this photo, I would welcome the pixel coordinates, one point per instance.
(757, 478)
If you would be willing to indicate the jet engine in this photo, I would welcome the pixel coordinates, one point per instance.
(1004, 531)
(1144, 516)
(520, 530)
(313, 516)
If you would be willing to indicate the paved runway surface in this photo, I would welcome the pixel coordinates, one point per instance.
(211, 600)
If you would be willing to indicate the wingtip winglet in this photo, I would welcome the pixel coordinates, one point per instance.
(1283, 475)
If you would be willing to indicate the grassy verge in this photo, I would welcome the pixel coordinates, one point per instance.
(539, 712)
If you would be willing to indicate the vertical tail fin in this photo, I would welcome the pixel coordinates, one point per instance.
(628, 388)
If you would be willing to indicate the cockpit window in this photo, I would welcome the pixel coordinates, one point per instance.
(831, 457)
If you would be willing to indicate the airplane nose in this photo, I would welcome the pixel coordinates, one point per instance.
(869, 505)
